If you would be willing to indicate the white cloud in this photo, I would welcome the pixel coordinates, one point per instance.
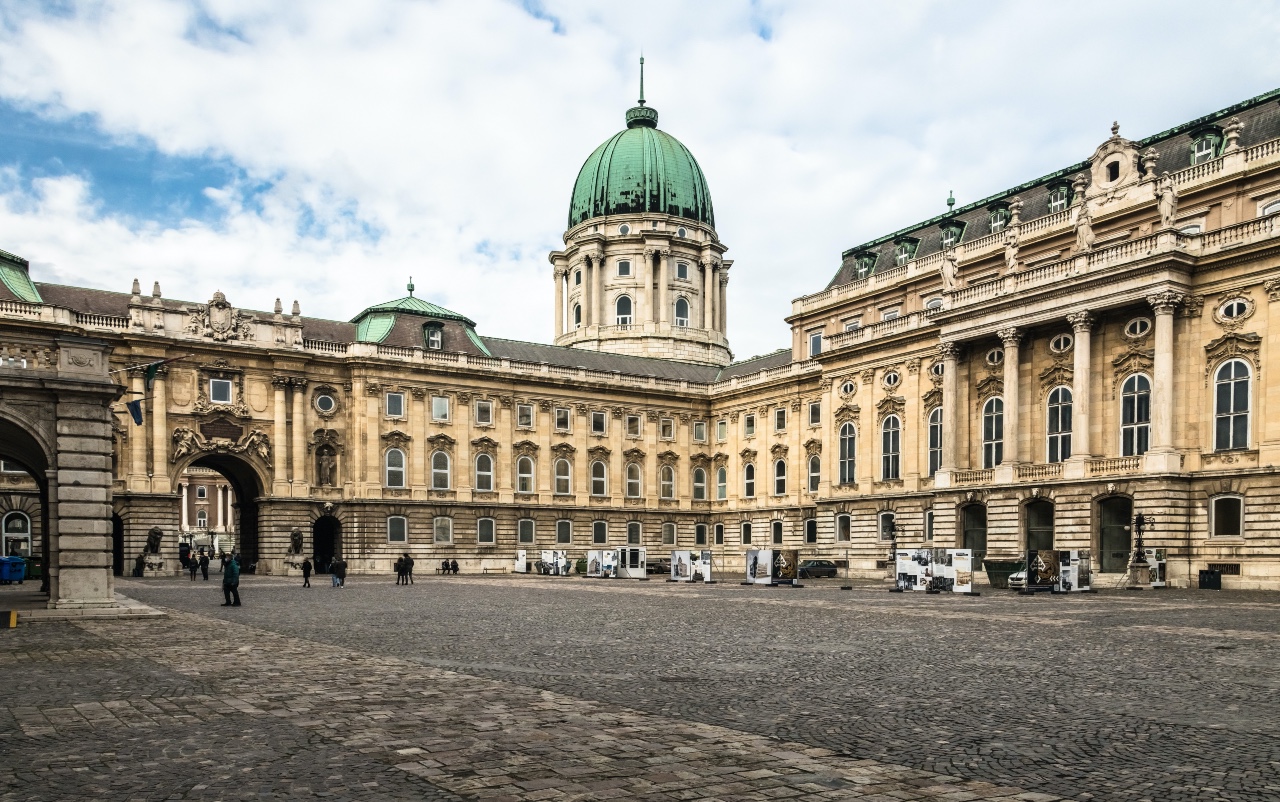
(454, 130)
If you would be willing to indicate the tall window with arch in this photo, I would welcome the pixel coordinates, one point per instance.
(440, 478)
(394, 463)
(577, 316)
(633, 480)
(699, 484)
(599, 478)
(749, 481)
(935, 440)
(779, 477)
(563, 474)
(722, 484)
(815, 473)
(992, 432)
(667, 482)
(524, 475)
(682, 312)
(1231, 406)
(1058, 428)
(891, 448)
(623, 307)
(848, 453)
(484, 473)
(16, 529)
(1135, 416)
(202, 519)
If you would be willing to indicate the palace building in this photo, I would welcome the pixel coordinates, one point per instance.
(1026, 371)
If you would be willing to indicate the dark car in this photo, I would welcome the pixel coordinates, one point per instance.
(815, 569)
(661, 565)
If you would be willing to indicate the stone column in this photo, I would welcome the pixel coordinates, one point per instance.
(1163, 457)
(708, 274)
(160, 434)
(1081, 423)
(644, 299)
(137, 440)
(600, 314)
(299, 436)
(220, 522)
(559, 274)
(182, 512)
(279, 436)
(1010, 337)
(950, 353)
(721, 305)
(586, 296)
(664, 291)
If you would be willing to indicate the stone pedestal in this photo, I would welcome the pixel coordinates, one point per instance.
(1139, 575)
(160, 565)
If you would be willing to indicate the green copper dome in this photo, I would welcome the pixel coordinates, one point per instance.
(639, 170)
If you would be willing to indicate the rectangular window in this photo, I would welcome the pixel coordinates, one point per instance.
(667, 428)
(202, 491)
(633, 426)
(888, 527)
(484, 412)
(439, 407)
(524, 530)
(815, 413)
(1057, 199)
(748, 425)
(815, 343)
(811, 530)
(564, 531)
(889, 314)
(777, 533)
(746, 534)
(442, 528)
(779, 420)
(700, 534)
(220, 391)
(435, 338)
(1228, 516)
(722, 430)
(562, 419)
(486, 531)
(600, 532)
(598, 421)
(853, 324)
(524, 416)
(10, 467)
(928, 524)
(699, 431)
(633, 533)
(844, 526)
(397, 529)
(719, 534)
(395, 405)
(682, 271)
(668, 534)
(624, 268)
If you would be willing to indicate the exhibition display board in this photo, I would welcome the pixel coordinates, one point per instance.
(602, 563)
(522, 562)
(934, 570)
(1075, 571)
(690, 566)
(555, 563)
(772, 566)
(1043, 568)
(632, 563)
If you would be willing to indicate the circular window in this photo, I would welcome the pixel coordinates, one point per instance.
(995, 356)
(680, 232)
(937, 368)
(1062, 342)
(325, 403)
(891, 379)
(1137, 327)
(624, 229)
(1234, 309)
(847, 388)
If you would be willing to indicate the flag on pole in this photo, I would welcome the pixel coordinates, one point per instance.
(149, 376)
(135, 410)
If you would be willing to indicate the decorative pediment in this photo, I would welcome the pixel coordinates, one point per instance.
(563, 450)
(398, 439)
(747, 454)
(598, 452)
(485, 444)
(525, 448)
(847, 413)
(219, 321)
(1135, 360)
(812, 446)
(1230, 346)
(890, 405)
(931, 399)
(441, 441)
(990, 387)
(188, 441)
(778, 451)
(719, 458)
(1055, 375)
(701, 459)
(668, 457)
(1272, 287)
(634, 454)
(325, 437)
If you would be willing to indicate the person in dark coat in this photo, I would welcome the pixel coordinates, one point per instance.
(231, 584)
(306, 573)
(204, 566)
(408, 569)
(444, 566)
(453, 566)
(193, 566)
(340, 571)
(400, 580)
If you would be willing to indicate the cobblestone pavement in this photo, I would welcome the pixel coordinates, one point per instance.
(542, 688)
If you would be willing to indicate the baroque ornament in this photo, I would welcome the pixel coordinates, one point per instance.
(188, 441)
(219, 321)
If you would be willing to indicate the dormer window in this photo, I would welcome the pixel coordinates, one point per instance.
(904, 251)
(1205, 147)
(1059, 198)
(435, 336)
(951, 233)
(864, 265)
(999, 219)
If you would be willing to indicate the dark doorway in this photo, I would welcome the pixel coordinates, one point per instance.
(117, 545)
(244, 513)
(1040, 526)
(1114, 542)
(326, 542)
(975, 531)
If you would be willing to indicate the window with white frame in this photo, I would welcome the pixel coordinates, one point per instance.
(951, 233)
(633, 533)
(1059, 198)
(442, 529)
(890, 314)
(202, 519)
(397, 529)
(810, 530)
(699, 534)
(220, 391)
(623, 310)
(484, 413)
(395, 405)
(486, 531)
(776, 526)
(746, 533)
(699, 484)
(815, 473)
(435, 338)
(853, 324)
(722, 430)
(524, 475)
(633, 426)
(1227, 513)
(891, 448)
(1135, 416)
(8, 466)
(844, 528)
(699, 431)
(563, 472)
(599, 422)
(16, 530)
(1190, 229)
(599, 479)
(904, 252)
(564, 532)
(1204, 149)
(202, 492)
(441, 478)
(935, 440)
(815, 343)
(624, 267)
(933, 303)
(577, 316)
(815, 413)
(888, 525)
(1231, 406)
(848, 454)
(599, 532)
(525, 531)
(999, 218)
(668, 534)
(524, 416)
(682, 312)
(667, 428)
(748, 425)
(928, 524)
(682, 271)
(992, 433)
(562, 419)
(484, 473)
(779, 477)
(1059, 425)
(749, 481)
(394, 461)
(667, 482)
(1270, 208)
(439, 407)
(633, 480)
(780, 420)
(722, 484)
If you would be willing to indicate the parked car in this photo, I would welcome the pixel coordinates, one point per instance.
(658, 565)
(1018, 581)
(815, 569)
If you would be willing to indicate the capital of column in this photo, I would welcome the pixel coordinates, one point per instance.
(1081, 321)
(1010, 336)
(1164, 303)
(666, 253)
(298, 383)
(280, 382)
(949, 350)
(724, 278)
(560, 272)
(649, 252)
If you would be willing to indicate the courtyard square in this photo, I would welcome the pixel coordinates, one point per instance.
(533, 688)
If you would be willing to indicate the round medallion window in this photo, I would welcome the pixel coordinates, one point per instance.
(624, 229)
(937, 368)
(680, 232)
(1137, 327)
(325, 403)
(933, 303)
(995, 356)
(1062, 342)
(1234, 309)
(847, 388)
(891, 379)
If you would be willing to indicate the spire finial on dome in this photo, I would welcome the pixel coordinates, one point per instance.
(410, 287)
(642, 116)
(642, 79)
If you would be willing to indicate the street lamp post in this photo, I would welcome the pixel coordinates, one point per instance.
(891, 527)
(1139, 568)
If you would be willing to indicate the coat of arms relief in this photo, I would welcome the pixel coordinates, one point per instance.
(220, 321)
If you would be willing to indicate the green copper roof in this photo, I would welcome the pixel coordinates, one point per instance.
(375, 326)
(13, 273)
(638, 170)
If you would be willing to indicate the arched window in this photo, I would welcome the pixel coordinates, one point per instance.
(395, 467)
(722, 484)
(992, 433)
(699, 484)
(440, 478)
(667, 482)
(1135, 416)
(16, 530)
(202, 519)
(974, 530)
(577, 316)
(682, 312)
(1231, 406)
(779, 477)
(815, 473)
(633, 480)
(599, 478)
(891, 448)
(624, 310)
(1059, 428)
(848, 453)
(562, 472)
(484, 473)
(935, 440)
(749, 481)
(524, 475)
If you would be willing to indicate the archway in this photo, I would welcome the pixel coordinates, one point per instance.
(1114, 537)
(19, 447)
(117, 545)
(247, 489)
(326, 542)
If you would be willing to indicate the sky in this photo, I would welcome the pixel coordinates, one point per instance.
(326, 151)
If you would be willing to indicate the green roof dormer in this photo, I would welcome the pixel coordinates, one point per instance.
(375, 323)
(14, 274)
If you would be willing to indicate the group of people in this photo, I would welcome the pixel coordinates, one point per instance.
(404, 570)
(448, 566)
(200, 564)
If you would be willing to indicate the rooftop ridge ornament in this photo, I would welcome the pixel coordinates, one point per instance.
(641, 79)
(642, 116)
(410, 286)
(951, 199)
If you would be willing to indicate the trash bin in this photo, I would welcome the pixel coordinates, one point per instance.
(1211, 580)
(12, 569)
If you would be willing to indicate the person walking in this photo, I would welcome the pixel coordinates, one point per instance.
(408, 569)
(306, 572)
(400, 579)
(231, 584)
(333, 571)
(204, 566)
(340, 571)
(193, 566)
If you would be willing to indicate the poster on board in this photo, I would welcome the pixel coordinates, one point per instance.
(943, 573)
(555, 563)
(595, 563)
(522, 562)
(760, 566)
(701, 571)
(681, 566)
(962, 568)
(1042, 569)
(609, 563)
(904, 571)
(786, 563)
(1075, 572)
(1084, 570)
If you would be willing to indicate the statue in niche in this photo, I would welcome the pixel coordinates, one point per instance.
(950, 271)
(1084, 231)
(153, 540)
(326, 466)
(1011, 250)
(1166, 200)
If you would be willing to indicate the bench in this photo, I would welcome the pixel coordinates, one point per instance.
(493, 570)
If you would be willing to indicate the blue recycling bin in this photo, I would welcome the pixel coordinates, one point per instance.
(12, 569)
